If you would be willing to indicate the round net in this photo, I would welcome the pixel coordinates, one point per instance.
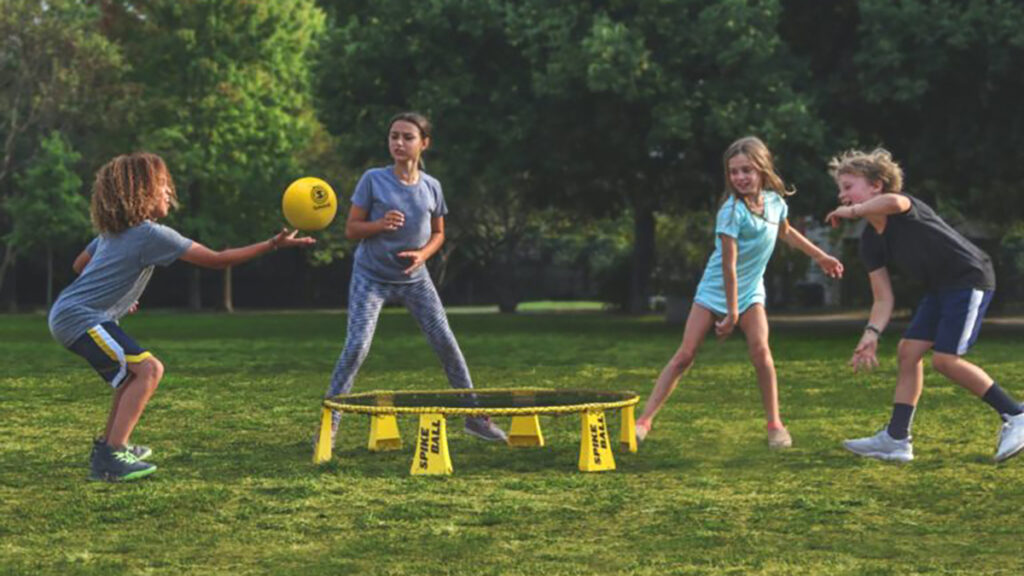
(492, 402)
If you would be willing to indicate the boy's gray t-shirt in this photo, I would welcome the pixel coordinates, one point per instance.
(379, 191)
(114, 278)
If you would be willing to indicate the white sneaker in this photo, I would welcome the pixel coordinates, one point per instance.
(884, 447)
(1011, 438)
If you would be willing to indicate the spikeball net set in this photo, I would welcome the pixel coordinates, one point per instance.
(524, 405)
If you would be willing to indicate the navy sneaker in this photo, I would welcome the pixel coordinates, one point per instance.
(110, 465)
(483, 428)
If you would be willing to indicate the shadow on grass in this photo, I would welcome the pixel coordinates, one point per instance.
(470, 458)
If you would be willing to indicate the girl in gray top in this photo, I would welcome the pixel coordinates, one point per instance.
(130, 194)
(397, 215)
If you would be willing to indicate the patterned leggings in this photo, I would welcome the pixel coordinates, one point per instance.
(366, 298)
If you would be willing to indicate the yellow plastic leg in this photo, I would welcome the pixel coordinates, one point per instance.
(322, 452)
(432, 455)
(384, 433)
(525, 431)
(627, 436)
(595, 448)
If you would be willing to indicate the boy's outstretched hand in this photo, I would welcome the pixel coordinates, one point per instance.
(864, 355)
(288, 239)
(843, 212)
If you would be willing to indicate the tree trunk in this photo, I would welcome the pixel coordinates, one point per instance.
(195, 292)
(440, 263)
(12, 285)
(229, 304)
(49, 276)
(643, 258)
(508, 280)
(9, 257)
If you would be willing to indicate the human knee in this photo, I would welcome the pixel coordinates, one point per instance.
(682, 362)
(761, 354)
(908, 355)
(944, 363)
(149, 372)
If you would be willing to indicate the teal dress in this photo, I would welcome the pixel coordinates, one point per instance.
(755, 240)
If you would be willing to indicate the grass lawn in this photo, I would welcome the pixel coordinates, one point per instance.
(236, 492)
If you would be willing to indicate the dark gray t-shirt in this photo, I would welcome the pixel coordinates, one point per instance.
(924, 246)
(114, 278)
(379, 191)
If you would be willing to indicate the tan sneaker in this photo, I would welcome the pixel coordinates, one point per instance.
(779, 439)
(642, 429)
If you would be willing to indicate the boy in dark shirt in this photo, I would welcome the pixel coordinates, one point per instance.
(905, 232)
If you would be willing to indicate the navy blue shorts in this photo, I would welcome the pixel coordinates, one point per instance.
(951, 319)
(109, 350)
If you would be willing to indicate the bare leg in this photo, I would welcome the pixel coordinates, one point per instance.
(967, 375)
(117, 400)
(754, 323)
(698, 323)
(911, 376)
(137, 389)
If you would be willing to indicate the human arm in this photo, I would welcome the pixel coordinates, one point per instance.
(726, 325)
(83, 259)
(420, 257)
(881, 205)
(359, 225)
(80, 261)
(202, 256)
(865, 354)
(832, 267)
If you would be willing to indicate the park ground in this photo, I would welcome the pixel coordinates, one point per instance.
(236, 492)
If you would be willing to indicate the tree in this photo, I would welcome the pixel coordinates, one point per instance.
(639, 98)
(56, 72)
(225, 96)
(593, 108)
(50, 210)
(455, 63)
(938, 82)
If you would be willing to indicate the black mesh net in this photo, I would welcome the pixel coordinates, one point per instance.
(497, 399)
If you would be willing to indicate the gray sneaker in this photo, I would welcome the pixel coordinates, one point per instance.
(110, 465)
(483, 428)
(1011, 438)
(882, 446)
(141, 452)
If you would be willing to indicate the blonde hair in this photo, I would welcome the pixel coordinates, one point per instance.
(754, 149)
(126, 190)
(874, 166)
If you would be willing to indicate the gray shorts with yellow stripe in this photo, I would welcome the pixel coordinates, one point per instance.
(109, 350)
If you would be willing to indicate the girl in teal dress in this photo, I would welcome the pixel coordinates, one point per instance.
(731, 292)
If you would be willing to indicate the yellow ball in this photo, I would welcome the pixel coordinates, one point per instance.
(309, 204)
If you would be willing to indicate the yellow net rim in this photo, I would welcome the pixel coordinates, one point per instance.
(335, 404)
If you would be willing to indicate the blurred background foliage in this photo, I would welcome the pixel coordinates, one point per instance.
(579, 143)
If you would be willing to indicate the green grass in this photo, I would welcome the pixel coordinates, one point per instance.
(236, 492)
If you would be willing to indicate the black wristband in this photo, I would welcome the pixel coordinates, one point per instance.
(872, 328)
